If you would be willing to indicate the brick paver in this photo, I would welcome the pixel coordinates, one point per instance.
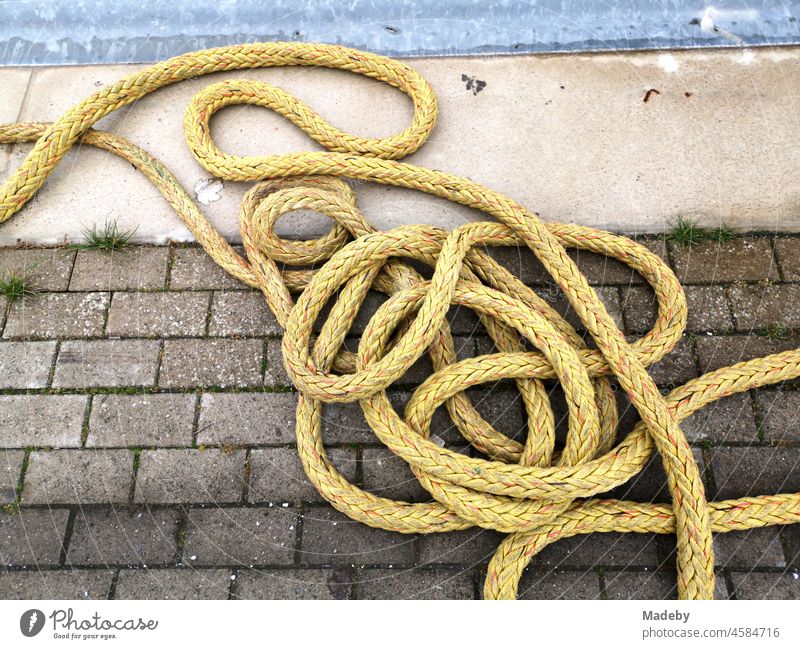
(57, 315)
(241, 313)
(134, 269)
(211, 363)
(191, 475)
(106, 363)
(124, 536)
(148, 447)
(744, 259)
(247, 418)
(10, 472)
(192, 269)
(173, 584)
(47, 269)
(141, 420)
(252, 536)
(311, 583)
(277, 475)
(56, 584)
(26, 364)
(32, 537)
(147, 315)
(28, 420)
(73, 476)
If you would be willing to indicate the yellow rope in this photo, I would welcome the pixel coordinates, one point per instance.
(528, 490)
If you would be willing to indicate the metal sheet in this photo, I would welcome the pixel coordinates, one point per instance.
(46, 32)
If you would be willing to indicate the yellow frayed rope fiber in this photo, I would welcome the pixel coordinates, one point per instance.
(530, 491)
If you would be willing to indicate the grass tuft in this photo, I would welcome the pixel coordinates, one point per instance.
(775, 333)
(686, 233)
(15, 286)
(108, 239)
(721, 235)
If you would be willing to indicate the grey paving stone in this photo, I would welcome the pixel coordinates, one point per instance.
(190, 475)
(779, 414)
(714, 352)
(275, 374)
(791, 544)
(247, 418)
(708, 308)
(711, 262)
(416, 583)
(728, 420)
(650, 485)
(608, 295)
(755, 471)
(277, 475)
(522, 263)
(468, 547)
(500, 407)
(787, 250)
(464, 321)
(641, 584)
(304, 584)
(57, 315)
(56, 584)
(78, 477)
(329, 537)
(759, 307)
(766, 585)
(539, 584)
(601, 270)
(25, 365)
(343, 423)
(41, 420)
(10, 470)
(106, 363)
(756, 548)
(141, 420)
(211, 363)
(185, 584)
(123, 536)
(677, 367)
(245, 536)
(241, 313)
(656, 245)
(639, 308)
(158, 314)
(389, 476)
(619, 550)
(130, 269)
(193, 269)
(32, 537)
(47, 269)
(648, 584)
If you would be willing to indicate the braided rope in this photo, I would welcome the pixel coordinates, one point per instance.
(535, 494)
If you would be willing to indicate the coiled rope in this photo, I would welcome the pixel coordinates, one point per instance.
(529, 490)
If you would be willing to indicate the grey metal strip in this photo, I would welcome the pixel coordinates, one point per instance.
(48, 32)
